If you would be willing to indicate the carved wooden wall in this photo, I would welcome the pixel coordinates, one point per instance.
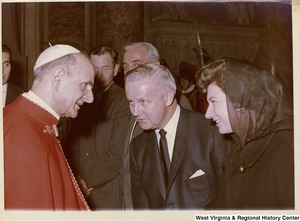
(67, 23)
(178, 42)
(258, 31)
(118, 23)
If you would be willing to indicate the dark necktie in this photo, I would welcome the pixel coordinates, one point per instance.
(164, 154)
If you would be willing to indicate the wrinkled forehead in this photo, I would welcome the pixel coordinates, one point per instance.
(100, 58)
(135, 54)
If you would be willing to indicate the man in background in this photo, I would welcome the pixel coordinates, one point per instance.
(97, 150)
(9, 91)
(195, 95)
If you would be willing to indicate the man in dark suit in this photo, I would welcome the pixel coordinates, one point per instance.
(176, 162)
(98, 147)
(135, 54)
(9, 91)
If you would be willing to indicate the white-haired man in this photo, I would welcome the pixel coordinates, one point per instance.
(176, 162)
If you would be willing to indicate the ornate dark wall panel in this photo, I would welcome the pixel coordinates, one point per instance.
(178, 42)
(67, 23)
(258, 31)
(66, 19)
(119, 23)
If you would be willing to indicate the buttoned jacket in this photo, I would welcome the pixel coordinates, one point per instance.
(97, 153)
(198, 154)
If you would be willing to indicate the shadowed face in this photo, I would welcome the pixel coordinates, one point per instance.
(6, 67)
(105, 69)
(134, 57)
(185, 84)
(217, 108)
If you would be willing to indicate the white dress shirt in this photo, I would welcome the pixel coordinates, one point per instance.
(4, 92)
(170, 128)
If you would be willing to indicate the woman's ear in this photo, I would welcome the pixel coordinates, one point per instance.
(169, 97)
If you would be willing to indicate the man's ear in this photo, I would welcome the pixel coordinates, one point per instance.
(169, 97)
(57, 78)
(116, 69)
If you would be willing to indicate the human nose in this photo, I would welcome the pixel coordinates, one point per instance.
(98, 71)
(125, 69)
(209, 112)
(135, 109)
(88, 96)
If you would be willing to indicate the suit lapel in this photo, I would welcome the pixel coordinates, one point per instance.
(156, 163)
(180, 146)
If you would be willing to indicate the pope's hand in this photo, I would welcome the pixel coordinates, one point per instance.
(84, 188)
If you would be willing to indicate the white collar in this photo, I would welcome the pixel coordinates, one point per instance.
(4, 92)
(108, 86)
(171, 129)
(4, 87)
(37, 100)
(171, 126)
(190, 89)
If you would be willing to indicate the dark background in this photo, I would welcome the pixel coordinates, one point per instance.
(258, 31)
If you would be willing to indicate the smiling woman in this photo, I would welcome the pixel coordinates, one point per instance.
(217, 105)
(254, 105)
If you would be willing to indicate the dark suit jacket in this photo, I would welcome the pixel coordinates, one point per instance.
(125, 179)
(13, 92)
(97, 154)
(198, 147)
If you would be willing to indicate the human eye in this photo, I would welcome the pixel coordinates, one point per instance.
(86, 86)
(105, 69)
(6, 64)
(137, 64)
(96, 69)
(131, 104)
(144, 102)
(212, 100)
(82, 86)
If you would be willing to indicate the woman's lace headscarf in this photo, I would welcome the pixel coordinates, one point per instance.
(256, 101)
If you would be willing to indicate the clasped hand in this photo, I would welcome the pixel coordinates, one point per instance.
(84, 188)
